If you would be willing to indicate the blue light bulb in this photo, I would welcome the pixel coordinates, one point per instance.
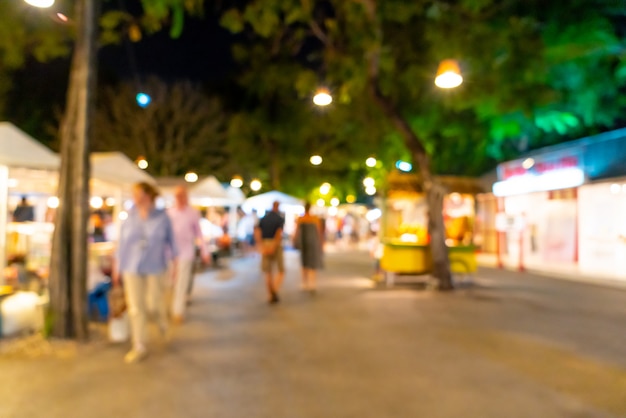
(404, 166)
(143, 100)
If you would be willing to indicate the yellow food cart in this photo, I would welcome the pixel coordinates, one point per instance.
(404, 226)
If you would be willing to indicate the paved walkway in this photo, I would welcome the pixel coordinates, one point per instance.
(498, 349)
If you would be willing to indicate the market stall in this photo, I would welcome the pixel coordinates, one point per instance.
(404, 225)
(27, 180)
(211, 195)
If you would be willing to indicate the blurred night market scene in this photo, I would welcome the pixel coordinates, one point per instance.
(321, 208)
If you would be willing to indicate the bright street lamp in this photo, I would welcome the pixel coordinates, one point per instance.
(316, 160)
(369, 182)
(44, 4)
(325, 189)
(322, 98)
(448, 75)
(96, 202)
(191, 177)
(236, 182)
(53, 202)
(371, 162)
(142, 163)
(255, 185)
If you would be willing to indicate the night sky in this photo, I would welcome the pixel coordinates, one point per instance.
(201, 54)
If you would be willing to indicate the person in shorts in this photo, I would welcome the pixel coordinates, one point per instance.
(269, 236)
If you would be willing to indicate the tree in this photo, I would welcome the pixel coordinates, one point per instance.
(277, 123)
(68, 268)
(391, 49)
(181, 128)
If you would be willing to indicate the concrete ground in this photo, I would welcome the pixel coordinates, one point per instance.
(511, 345)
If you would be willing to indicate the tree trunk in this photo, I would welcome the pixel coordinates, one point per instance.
(68, 267)
(434, 190)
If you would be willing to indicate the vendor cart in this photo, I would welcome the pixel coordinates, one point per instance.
(404, 227)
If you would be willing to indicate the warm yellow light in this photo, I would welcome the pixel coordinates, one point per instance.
(370, 190)
(334, 202)
(371, 162)
(236, 182)
(110, 201)
(322, 98)
(40, 3)
(53, 202)
(369, 182)
(321, 203)
(142, 163)
(448, 75)
(255, 185)
(191, 177)
(316, 160)
(351, 198)
(325, 189)
(123, 216)
(96, 202)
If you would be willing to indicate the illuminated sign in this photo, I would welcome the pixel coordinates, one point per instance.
(562, 178)
(537, 166)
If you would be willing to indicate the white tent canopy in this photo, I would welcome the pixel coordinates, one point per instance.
(264, 201)
(17, 149)
(208, 187)
(117, 168)
(234, 197)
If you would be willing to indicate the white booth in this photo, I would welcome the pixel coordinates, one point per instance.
(27, 169)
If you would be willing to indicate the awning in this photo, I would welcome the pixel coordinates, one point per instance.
(18, 149)
(264, 201)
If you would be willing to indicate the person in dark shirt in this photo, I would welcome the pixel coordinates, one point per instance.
(24, 212)
(269, 236)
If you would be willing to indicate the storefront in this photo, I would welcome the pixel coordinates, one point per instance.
(561, 209)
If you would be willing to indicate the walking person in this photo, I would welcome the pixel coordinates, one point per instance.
(269, 236)
(187, 234)
(145, 248)
(309, 240)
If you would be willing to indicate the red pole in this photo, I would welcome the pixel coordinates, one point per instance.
(577, 231)
(500, 234)
(521, 249)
